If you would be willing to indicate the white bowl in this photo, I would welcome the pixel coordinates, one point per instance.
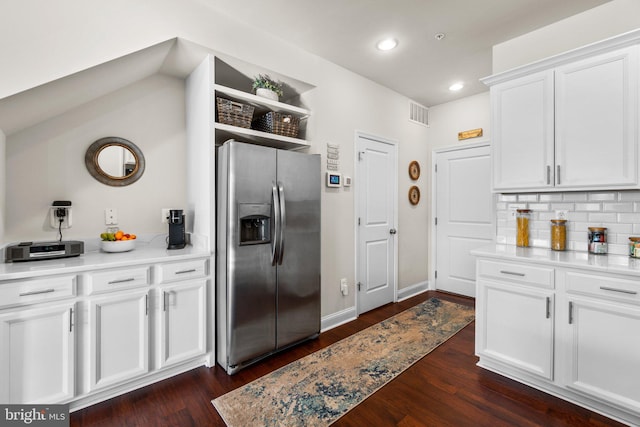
(118, 245)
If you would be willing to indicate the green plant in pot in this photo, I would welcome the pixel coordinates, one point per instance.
(266, 87)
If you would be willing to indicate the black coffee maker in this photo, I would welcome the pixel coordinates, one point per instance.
(176, 229)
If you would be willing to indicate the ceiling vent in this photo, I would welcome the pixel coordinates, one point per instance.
(418, 114)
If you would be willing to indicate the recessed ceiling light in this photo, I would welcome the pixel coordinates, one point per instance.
(439, 36)
(456, 87)
(387, 44)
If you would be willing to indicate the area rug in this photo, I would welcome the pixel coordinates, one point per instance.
(321, 387)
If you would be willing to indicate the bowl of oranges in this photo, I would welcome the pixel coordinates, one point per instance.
(117, 242)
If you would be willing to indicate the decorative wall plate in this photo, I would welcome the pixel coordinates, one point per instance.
(414, 170)
(414, 195)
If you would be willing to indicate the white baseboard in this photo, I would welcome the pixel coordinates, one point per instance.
(337, 319)
(413, 290)
(347, 315)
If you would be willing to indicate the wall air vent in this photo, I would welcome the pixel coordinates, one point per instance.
(418, 114)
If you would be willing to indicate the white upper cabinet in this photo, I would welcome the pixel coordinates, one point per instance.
(523, 132)
(567, 125)
(597, 121)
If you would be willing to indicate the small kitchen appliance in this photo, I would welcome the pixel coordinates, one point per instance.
(31, 251)
(176, 229)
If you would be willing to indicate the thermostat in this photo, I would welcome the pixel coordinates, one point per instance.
(334, 179)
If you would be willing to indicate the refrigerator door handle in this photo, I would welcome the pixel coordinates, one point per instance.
(283, 221)
(276, 225)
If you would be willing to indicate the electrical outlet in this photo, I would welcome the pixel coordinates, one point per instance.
(110, 216)
(344, 287)
(513, 213)
(562, 214)
(165, 215)
(57, 213)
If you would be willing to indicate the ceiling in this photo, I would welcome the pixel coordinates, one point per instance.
(422, 68)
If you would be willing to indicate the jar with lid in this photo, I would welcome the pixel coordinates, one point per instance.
(558, 234)
(597, 240)
(523, 216)
(634, 247)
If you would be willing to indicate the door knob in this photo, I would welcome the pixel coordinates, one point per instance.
(393, 231)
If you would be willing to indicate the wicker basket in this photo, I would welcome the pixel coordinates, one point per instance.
(234, 113)
(280, 124)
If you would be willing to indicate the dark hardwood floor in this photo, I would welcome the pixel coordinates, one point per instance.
(445, 388)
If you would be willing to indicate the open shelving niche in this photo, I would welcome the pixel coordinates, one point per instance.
(231, 77)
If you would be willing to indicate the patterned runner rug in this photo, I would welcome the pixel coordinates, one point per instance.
(321, 387)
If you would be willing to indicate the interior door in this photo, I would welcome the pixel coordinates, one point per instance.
(377, 207)
(464, 215)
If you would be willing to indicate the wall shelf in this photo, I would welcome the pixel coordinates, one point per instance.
(225, 132)
(262, 105)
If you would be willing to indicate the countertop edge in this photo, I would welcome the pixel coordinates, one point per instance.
(605, 263)
(97, 260)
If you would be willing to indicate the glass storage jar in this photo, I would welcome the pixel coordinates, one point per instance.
(634, 247)
(523, 216)
(597, 240)
(558, 234)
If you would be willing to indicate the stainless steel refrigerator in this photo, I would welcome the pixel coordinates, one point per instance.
(268, 252)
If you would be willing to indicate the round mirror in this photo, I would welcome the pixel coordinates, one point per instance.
(114, 161)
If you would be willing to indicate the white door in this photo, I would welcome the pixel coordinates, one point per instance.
(181, 322)
(37, 348)
(464, 207)
(603, 343)
(597, 121)
(522, 132)
(516, 325)
(119, 330)
(376, 181)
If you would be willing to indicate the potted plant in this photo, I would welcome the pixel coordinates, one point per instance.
(266, 87)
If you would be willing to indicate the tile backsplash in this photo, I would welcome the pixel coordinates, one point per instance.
(618, 211)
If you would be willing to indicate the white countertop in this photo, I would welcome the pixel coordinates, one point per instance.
(572, 259)
(146, 252)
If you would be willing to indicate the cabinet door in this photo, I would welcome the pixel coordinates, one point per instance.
(522, 122)
(37, 348)
(597, 121)
(182, 322)
(515, 327)
(119, 345)
(603, 342)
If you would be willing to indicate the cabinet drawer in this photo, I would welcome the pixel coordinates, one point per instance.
(520, 273)
(184, 270)
(611, 288)
(36, 291)
(118, 279)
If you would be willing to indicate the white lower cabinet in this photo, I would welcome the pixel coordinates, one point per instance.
(580, 341)
(119, 338)
(602, 338)
(518, 326)
(181, 320)
(143, 321)
(84, 337)
(37, 354)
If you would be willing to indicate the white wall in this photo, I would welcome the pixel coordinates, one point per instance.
(446, 120)
(46, 162)
(67, 36)
(602, 22)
